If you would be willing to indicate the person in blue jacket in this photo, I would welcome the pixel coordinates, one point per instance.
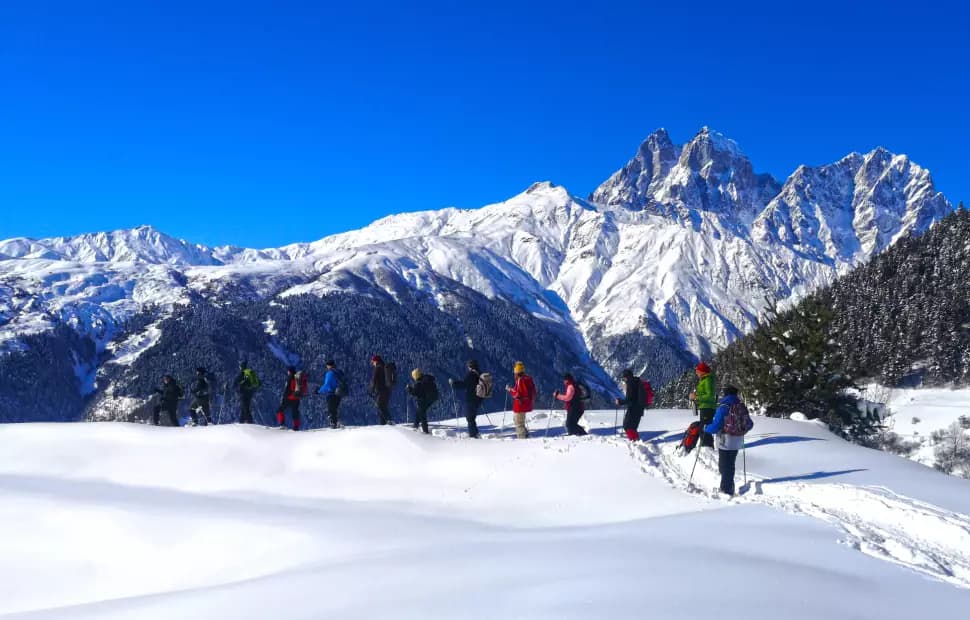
(332, 392)
(727, 445)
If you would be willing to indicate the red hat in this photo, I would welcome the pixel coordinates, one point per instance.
(703, 367)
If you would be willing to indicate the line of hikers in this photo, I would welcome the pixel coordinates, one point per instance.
(728, 418)
(476, 386)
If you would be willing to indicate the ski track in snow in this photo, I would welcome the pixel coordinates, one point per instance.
(875, 520)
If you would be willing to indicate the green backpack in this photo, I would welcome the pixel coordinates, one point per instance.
(250, 381)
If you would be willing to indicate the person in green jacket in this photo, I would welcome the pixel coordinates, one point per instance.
(706, 398)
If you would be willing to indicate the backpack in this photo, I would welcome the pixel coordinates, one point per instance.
(647, 393)
(691, 435)
(432, 394)
(250, 381)
(582, 390)
(390, 374)
(301, 384)
(342, 388)
(738, 420)
(484, 388)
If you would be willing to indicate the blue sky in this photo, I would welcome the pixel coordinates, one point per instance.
(265, 123)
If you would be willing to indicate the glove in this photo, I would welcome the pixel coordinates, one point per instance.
(618, 402)
(451, 382)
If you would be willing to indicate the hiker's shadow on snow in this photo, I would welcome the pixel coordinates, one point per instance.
(815, 475)
(779, 439)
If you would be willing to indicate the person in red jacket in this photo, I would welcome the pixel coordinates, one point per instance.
(523, 398)
(574, 406)
(293, 391)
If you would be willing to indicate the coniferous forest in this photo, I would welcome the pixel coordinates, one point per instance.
(903, 319)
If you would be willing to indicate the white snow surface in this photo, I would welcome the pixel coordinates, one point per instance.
(934, 409)
(109, 520)
(686, 242)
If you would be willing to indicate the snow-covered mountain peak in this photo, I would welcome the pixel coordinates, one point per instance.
(143, 244)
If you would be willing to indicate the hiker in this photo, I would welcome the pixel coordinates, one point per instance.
(635, 401)
(334, 388)
(523, 398)
(380, 390)
(169, 395)
(247, 383)
(730, 424)
(425, 393)
(574, 406)
(705, 398)
(294, 390)
(200, 398)
(472, 400)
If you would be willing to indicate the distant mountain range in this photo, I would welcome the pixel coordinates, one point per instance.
(671, 258)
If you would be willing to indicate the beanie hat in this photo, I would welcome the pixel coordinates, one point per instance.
(331, 364)
(377, 358)
(291, 370)
(704, 368)
(416, 374)
(730, 390)
(518, 368)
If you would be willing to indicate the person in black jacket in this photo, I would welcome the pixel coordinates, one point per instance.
(425, 393)
(472, 401)
(634, 402)
(247, 383)
(169, 395)
(201, 395)
(380, 390)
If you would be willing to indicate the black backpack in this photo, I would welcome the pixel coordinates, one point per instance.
(390, 374)
(343, 389)
(432, 387)
(582, 390)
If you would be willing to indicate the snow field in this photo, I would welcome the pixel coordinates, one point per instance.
(128, 521)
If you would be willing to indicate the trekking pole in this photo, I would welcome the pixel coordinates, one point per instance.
(454, 405)
(549, 419)
(744, 461)
(690, 480)
(505, 410)
(616, 415)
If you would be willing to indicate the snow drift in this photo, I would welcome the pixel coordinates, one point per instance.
(123, 521)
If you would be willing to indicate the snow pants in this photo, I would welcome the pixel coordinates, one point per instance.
(520, 429)
(726, 462)
(383, 401)
(245, 407)
(294, 408)
(333, 408)
(201, 404)
(631, 422)
(169, 408)
(573, 414)
(421, 416)
(707, 416)
(471, 415)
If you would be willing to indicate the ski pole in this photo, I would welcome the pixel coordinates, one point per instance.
(616, 415)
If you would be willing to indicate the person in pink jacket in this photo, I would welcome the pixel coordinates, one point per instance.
(574, 405)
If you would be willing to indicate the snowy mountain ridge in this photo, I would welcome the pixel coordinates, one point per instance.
(684, 246)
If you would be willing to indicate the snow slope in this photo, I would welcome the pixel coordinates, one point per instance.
(684, 245)
(914, 414)
(245, 522)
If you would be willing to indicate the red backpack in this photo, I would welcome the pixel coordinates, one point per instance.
(647, 394)
(691, 435)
